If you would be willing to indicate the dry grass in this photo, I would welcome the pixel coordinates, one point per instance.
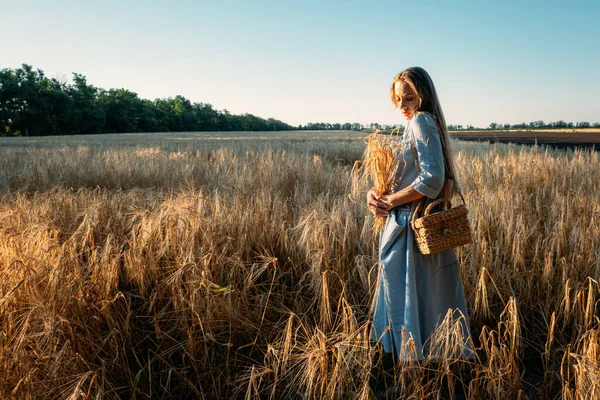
(181, 269)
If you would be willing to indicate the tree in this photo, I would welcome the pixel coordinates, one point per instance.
(123, 109)
(88, 115)
(11, 103)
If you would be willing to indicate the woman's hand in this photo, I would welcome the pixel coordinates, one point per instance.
(378, 205)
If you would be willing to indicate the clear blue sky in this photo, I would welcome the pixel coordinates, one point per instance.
(309, 61)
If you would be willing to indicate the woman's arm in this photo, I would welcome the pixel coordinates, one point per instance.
(406, 195)
(430, 158)
(428, 144)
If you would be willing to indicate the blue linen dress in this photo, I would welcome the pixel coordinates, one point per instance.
(416, 291)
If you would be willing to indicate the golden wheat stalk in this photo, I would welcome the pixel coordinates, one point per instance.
(379, 163)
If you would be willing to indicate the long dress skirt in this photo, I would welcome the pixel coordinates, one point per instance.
(415, 294)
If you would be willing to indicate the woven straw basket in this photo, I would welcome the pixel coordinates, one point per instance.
(443, 230)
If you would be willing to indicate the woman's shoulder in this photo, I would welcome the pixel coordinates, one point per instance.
(424, 117)
(423, 122)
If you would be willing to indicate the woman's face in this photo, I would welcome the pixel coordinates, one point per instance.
(406, 99)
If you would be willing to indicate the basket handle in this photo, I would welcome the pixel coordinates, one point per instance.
(418, 209)
(433, 204)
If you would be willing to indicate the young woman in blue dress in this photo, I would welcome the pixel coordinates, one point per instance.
(417, 292)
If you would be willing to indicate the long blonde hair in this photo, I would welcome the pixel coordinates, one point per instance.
(420, 82)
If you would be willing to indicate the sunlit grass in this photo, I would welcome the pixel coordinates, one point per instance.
(168, 268)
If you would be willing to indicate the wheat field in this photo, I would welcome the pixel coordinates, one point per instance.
(242, 265)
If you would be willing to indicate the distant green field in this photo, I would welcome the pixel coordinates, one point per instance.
(170, 137)
(286, 139)
(564, 137)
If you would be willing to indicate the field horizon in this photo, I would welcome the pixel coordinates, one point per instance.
(588, 137)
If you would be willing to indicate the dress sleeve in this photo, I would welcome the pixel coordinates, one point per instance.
(428, 144)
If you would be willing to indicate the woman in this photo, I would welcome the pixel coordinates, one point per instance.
(416, 291)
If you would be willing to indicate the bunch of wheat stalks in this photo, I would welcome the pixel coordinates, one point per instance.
(378, 166)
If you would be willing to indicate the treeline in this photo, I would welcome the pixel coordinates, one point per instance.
(347, 126)
(542, 125)
(325, 126)
(31, 104)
